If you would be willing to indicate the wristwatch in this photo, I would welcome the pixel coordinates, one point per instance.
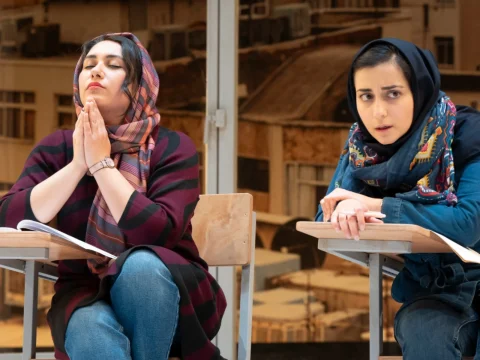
(105, 163)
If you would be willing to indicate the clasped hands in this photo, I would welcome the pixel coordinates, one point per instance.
(346, 211)
(90, 137)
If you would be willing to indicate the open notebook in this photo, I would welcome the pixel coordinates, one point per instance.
(36, 226)
(466, 254)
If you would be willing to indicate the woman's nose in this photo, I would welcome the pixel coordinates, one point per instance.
(97, 71)
(380, 110)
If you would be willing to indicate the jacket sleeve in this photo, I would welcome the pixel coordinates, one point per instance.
(48, 156)
(162, 215)
(460, 223)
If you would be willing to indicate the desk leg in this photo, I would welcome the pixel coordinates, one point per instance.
(30, 310)
(376, 306)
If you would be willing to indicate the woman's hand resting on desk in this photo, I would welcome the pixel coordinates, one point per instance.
(329, 202)
(351, 225)
(339, 207)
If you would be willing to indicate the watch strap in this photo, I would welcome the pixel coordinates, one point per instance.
(102, 164)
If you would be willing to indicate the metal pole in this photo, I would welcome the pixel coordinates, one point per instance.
(30, 310)
(221, 136)
(376, 306)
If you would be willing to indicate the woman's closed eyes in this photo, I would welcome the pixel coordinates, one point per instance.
(109, 65)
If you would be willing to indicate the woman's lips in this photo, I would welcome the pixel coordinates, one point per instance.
(95, 85)
(383, 128)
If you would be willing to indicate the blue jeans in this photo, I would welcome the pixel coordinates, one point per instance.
(139, 323)
(430, 329)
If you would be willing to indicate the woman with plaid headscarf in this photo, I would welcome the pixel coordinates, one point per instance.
(128, 186)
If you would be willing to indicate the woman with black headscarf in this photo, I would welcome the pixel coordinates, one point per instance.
(415, 156)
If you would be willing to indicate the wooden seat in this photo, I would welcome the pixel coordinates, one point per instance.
(223, 230)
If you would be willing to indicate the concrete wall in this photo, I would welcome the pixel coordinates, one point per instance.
(45, 79)
(469, 30)
(443, 22)
(401, 28)
(185, 12)
(82, 21)
(465, 98)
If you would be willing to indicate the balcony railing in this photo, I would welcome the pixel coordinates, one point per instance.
(353, 4)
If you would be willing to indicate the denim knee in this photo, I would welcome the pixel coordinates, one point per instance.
(144, 271)
(146, 301)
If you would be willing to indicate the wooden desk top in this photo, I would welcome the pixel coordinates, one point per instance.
(423, 240)
(59, 249)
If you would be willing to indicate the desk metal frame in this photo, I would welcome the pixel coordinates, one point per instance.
(374, 255)
(33, 266)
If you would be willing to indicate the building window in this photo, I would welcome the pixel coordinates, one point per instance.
(445, 51)
(66, 116)
(17, 115)
(253, 174)
(307, 185)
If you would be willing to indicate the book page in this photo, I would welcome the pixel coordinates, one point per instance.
(36, 226)
(467, 255)
(7, 229)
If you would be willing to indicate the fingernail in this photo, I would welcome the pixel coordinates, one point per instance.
(337, 230)
(356, 238)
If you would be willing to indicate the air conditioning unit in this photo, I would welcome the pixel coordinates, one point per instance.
(257, 10)
(8, 34)
(260, 10)
(298, 18)
(42, 41)
(169, 42)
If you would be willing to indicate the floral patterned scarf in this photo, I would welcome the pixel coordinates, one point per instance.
(422, 170)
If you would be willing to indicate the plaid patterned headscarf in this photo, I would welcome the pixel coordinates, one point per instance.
(132, 146)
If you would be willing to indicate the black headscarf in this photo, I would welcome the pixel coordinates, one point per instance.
(424, 84)
(466, 141)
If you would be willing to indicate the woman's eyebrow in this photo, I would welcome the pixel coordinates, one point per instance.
(390, 87)
(110, 56)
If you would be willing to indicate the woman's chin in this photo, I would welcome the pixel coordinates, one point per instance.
(94, 95)
(386, 142)
(89, 95)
